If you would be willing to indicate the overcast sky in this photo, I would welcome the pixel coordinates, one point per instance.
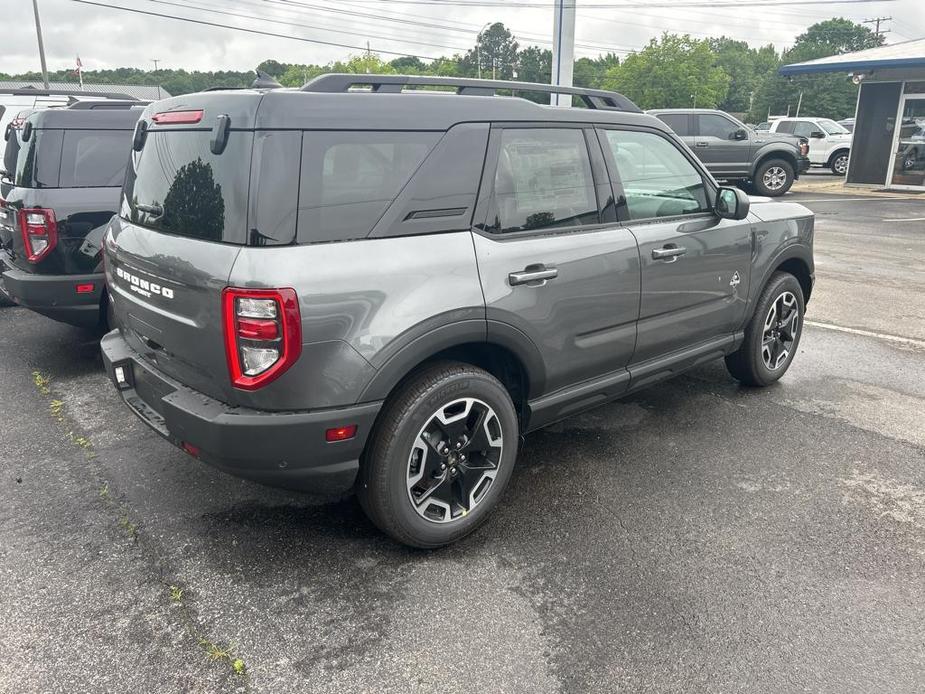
(108, 38)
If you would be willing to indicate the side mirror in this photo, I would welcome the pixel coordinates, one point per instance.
(731, 203)
(26, 131)
(7, 132)
(818, 134)
(740, 134)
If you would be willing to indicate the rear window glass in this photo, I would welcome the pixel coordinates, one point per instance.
(39, 159)
(349, 179)
(94, 158)
(176, 185)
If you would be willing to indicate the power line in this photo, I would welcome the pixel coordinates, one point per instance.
(249, 31)
(876, 21)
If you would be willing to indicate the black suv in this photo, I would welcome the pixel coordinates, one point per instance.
(384, 288)
(766, 162)
(65, 173)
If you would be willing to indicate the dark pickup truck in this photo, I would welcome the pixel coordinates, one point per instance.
(766, 163)
(58, 196)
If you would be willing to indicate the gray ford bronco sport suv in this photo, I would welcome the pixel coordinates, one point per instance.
(383, 288)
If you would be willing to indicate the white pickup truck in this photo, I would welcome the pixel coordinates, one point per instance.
(829, 142)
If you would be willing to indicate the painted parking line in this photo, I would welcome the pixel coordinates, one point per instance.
(906, 219)
(866, 333)
(841, 199)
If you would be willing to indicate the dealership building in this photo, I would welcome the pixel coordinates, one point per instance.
(888, 148)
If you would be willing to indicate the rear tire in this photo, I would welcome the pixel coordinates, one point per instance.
(839, 163)
(440, 456)
(773, 178)
(772, 336)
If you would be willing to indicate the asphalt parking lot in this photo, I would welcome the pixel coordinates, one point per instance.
(698, 536)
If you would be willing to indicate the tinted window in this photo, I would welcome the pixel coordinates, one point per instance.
(348, 179)
(11, 152)
(764, 125)
(713, 125)
(657, 179)
(94, 157)
(785, 127)
(544, 180)
(175, 184)
(679, 122)
(39, 159)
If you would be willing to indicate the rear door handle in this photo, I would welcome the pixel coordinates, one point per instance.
(701, 144)
(535, 275)
(669, 253)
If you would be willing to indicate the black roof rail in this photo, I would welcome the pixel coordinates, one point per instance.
(593, 98)
(106, 104)
(32, 91)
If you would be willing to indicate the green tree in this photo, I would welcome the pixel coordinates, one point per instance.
(497, 50)
(409, 65)
(590, 73)
(745, 66)
(273, 68)
(534, 65)
(671, 72)
(830, 95)
(194, 202)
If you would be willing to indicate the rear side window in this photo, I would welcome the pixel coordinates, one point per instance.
(657, 179)
(175, 184)
(349, 179)
(803, 128)
(679, 122)
(785, 127)
(39, 159)
(544, 180)
(94, 158)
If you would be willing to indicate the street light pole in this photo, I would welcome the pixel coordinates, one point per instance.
(38, 33)
(478, 47)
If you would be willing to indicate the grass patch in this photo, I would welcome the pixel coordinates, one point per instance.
(41, 382)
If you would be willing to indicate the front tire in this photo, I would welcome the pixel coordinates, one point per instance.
(440, 457)
(773, 178)
(772, 335)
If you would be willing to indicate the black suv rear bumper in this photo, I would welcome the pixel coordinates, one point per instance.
(54, 296)
(282, 449)
(803, 165)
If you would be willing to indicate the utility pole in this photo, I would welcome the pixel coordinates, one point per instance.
(38, 32)
(369, 57)
(563, 49)
(155, 61)
(876, 22)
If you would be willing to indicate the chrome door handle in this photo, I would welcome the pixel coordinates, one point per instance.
(668, 253)
(702, 144)
(535, 275)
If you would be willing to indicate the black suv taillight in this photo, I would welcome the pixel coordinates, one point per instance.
(263, 334)
(39, 232)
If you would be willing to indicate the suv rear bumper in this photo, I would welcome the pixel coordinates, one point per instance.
(803, 164)
(54, 296)
(281, 449)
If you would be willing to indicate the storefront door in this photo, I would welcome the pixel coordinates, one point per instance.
(907, 169)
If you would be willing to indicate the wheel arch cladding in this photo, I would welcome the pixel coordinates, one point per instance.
(788, 157)
(499, 360)
(797, 267)
(837, 153)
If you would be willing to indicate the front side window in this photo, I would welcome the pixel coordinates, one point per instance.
(657, 179)
(350, 178)
(713, 125)
(832, 128)
(544, 180)
(94, 158)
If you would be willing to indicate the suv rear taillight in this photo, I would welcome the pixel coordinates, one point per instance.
(804, 147)
(263, 334)
(39, 232)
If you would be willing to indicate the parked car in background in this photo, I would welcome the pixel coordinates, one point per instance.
(847, 124)
(63, 189)
(768, 163)
(829, 142)
(14, 101)
(387, 288)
